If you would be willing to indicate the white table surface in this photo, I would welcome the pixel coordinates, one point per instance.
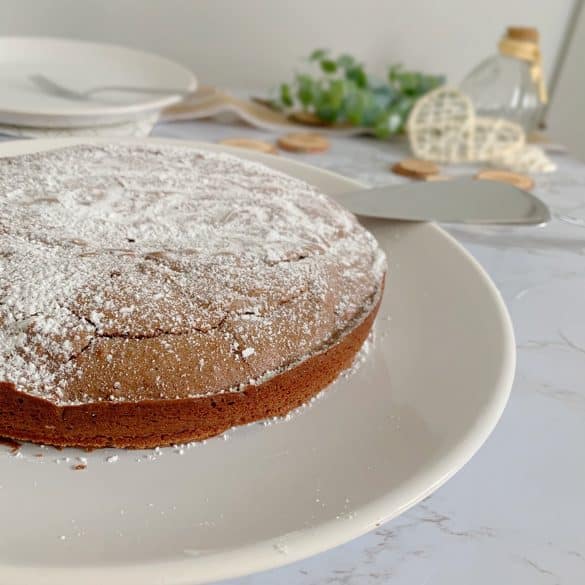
(516, 513)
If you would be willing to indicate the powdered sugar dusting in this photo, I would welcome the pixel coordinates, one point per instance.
(107, 251)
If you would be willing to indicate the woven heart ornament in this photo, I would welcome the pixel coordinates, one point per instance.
(443, 127)
(530, 159)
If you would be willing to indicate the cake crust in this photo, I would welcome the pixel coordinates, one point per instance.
(154, 423)
(154, 295)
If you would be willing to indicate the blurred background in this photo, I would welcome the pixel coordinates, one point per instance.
(254, 44)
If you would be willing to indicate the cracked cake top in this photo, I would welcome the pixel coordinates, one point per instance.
(132, 272)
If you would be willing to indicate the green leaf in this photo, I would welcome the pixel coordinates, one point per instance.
(337, 92)
(388, 124)
(326, 112)
(353, 107)
(394, 72)
(384, 96)
(306, 90)
(328, 106)
(318, 54)
(328, 66)
(395, 122)
(285, 95)
(408, 82)
(430, 82)
(354, 96)
(381, 126)
(357, 75)
(345, 62)
(371, 112)
(404, 105)
(412, 83)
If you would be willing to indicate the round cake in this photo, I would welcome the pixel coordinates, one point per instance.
(155, 294)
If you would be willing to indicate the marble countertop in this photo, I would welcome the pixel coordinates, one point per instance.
(516, 513)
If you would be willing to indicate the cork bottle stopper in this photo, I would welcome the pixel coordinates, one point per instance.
(523, 33)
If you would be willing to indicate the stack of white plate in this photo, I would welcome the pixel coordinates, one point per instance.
(27, 108)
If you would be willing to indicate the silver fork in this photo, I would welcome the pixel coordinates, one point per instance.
(54, 88)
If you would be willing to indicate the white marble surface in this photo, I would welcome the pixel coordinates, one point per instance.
(516, 513)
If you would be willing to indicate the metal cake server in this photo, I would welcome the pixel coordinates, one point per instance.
(458, 201)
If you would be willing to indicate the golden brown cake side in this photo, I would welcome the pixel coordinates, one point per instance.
(153, 423)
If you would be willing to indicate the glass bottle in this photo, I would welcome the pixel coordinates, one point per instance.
(510, 84)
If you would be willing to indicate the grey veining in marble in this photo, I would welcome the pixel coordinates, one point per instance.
(516, 513)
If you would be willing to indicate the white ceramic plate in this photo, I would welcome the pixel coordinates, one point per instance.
(80, 65)
(425, 399)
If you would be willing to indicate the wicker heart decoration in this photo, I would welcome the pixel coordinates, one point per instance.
(443, 127)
